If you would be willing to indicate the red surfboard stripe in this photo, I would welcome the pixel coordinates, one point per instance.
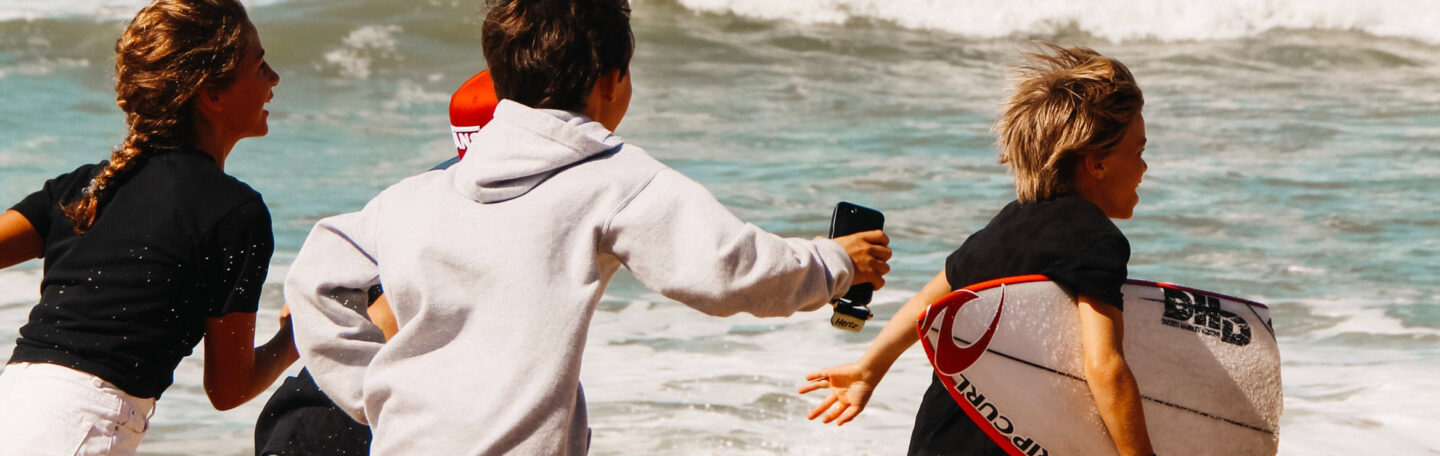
(951, 358)
(975, 417)
(921, 326)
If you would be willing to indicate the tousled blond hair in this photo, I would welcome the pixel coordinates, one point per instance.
(1066, 103)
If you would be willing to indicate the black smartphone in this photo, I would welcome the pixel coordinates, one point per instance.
(851, 218)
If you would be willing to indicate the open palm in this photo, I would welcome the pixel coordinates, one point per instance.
(850, 388)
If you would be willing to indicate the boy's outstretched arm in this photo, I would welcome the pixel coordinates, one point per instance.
(680, 241)
(851, 384)
(1102, 329)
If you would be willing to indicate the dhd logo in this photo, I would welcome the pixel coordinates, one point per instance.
(1202, 314)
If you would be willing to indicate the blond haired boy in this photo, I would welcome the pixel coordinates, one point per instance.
(1073, 134)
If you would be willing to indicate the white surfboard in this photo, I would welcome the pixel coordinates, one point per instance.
(1207, 365)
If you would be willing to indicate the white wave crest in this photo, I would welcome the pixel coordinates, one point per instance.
(362, 46)
(1116, 20)
(97, 9)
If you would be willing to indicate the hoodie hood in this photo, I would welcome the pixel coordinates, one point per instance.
(522, 146)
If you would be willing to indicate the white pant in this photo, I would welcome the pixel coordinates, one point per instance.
(51, 410)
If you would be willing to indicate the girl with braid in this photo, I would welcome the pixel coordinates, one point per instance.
(148, 252)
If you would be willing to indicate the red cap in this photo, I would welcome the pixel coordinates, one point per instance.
(471, 107)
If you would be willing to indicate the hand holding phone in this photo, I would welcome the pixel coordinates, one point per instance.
(850, 218)
(851, 311)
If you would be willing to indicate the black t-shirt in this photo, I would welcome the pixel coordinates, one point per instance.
(1069, 240)
(177, 242)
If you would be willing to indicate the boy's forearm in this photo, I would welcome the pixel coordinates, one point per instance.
(897, 336)
(900, 334)
(1117, 396)
(680, 241)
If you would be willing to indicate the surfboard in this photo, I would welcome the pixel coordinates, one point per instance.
(1207, 365)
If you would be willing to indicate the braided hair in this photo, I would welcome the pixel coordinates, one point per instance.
(171, 50)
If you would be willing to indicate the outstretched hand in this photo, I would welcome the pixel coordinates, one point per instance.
(850, 390)
(870, 252)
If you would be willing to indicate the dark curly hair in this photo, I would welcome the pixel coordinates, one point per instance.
(549, 53)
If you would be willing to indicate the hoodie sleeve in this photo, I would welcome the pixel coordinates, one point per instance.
(681, 242)
(327, 291)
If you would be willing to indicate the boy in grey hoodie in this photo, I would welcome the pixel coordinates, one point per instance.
(494, 266)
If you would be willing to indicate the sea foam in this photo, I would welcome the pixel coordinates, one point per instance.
(1115, 20)
(19, 285)
(100, 10)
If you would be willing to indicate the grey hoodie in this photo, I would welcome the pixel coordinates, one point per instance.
(493, 268)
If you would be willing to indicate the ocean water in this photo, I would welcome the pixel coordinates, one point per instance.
(1294, 151)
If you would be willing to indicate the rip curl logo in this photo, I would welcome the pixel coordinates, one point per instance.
(989, 412)
(951, 359)
(1202, 314)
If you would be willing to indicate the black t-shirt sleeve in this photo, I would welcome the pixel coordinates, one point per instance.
(1067, 239)
(1097, 271)
(39, 207)
(235, 260)
(36, 209)
(955, 267)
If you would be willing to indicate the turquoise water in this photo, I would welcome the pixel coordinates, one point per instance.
(1291, 162)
